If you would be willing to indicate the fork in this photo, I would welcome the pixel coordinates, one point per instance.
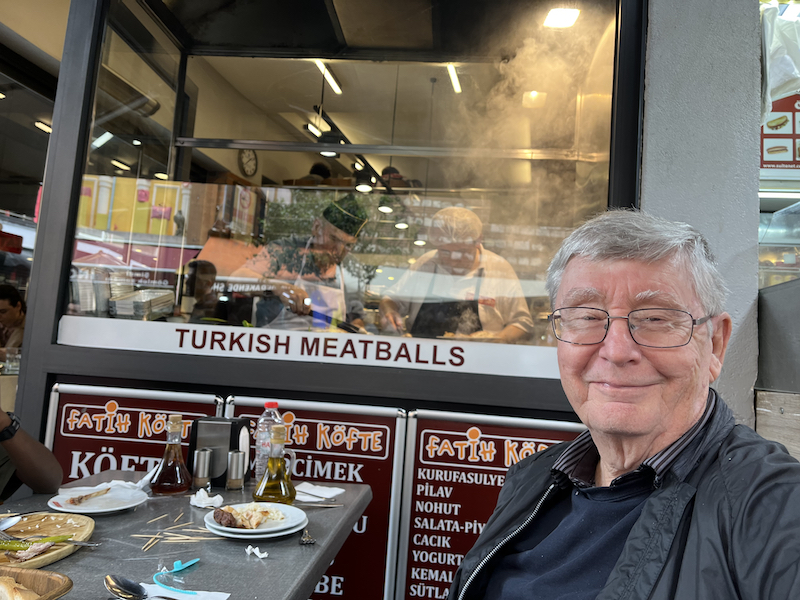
(306, 539)
(9, 537)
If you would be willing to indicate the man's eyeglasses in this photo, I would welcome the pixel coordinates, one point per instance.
(651, 327)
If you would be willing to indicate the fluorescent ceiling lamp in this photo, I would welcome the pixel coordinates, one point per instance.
(136, 142)
(120, 165)
(328, 77)
(561, 17)
(102, 140)
(160, 175)
(313, 130)
(454, 78)
(43, 126)
(779, 195)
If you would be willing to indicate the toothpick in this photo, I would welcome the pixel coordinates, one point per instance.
(157, 518)
(178, 518)
(178, 525)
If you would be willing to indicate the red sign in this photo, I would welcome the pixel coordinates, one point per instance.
(458, 470)
(353, 447)
(100, 433)
(780, 136)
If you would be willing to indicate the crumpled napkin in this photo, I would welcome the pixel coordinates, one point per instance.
(316, 493)
(156, 590)
(201, 499)
(116, 484)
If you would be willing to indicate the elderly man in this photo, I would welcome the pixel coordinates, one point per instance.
(459, 288)
(664, 497)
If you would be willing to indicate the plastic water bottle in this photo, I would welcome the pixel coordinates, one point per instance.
(268, 418)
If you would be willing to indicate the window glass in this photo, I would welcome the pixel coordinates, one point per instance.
(25, 121)
(415, 194)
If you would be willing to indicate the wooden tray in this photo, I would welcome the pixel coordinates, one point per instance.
(47, 584)
(49, 524)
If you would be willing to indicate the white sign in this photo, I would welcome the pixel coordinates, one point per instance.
(336, 348)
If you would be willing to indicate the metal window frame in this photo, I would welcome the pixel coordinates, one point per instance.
(46, 362)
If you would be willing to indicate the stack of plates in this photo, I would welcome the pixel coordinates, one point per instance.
(295, 520)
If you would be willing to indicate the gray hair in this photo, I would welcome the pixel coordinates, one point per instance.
(455, 225)
(633, 235)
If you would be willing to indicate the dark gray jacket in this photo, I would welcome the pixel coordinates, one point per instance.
(724, 524)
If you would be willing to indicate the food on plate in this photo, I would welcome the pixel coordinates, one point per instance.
(249, 516)
(778, 122)
(11, 590)
(27, 553)
(75, 501)
(777, 149)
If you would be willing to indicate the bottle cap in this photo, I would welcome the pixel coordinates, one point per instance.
(278, 434)
(270, 405)
(175, 423)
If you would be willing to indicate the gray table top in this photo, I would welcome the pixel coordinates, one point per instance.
(289, 573)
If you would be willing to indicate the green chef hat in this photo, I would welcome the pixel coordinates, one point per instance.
(346, 214)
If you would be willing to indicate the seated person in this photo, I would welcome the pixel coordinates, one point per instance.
(25, 460)
(12, 317)
(318, 173)
(301, 279)
(460, 288)
(200, 284)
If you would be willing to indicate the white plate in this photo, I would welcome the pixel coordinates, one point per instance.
(116, 500)
(292, 516)
(256, 534)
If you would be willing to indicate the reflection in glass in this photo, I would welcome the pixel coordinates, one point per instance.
(210, 208)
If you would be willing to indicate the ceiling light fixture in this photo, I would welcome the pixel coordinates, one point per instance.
(385, 207)
(2, 96)
(43, 126)
(102, 139)
(160, 175)
(330, 137)
(313, 129)
(534, 99)
(420, 242)
(120, 165)
(451, 70)
(363, 184)
(326, 72)
(358, 166)
(136, 142)
(561, 17)
(401, 225)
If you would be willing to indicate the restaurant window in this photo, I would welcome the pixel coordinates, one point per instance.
(415, 185)
(25, 125)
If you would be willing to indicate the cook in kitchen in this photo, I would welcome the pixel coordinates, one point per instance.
(459, 288)
(300, 278)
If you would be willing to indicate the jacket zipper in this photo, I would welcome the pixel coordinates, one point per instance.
(505, 540)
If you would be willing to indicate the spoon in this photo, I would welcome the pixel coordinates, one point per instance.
(126, 589)
(9, 522)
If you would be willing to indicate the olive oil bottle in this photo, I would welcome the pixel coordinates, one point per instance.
(276, 484)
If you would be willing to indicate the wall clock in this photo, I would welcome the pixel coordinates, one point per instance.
(248, 162)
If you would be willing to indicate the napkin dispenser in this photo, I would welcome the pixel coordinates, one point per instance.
(221, 433)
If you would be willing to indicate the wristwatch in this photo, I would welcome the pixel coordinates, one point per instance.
(11, 430)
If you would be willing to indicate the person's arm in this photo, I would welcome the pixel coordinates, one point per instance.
(390, 316)
(36, 466)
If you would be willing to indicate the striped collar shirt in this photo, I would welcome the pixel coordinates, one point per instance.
(579, 460)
